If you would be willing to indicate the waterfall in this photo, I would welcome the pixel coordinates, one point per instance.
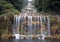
(30, 25)
(34, 26)
(43, 29)
(43, 21)
(16, 26)
(48, 25)
(38, 24)
(30, 13)
(41, 25)
(29, 0)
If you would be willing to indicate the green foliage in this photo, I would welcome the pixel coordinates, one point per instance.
(58, 24)
(48, 5)
(7, 7)
(18, 4)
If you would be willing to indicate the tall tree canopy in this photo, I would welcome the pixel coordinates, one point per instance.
(48, 5)
(16, 5)
(11, 6)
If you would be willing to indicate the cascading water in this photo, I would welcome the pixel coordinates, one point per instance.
(16, 26)
(35, 26)
(31, 24)
(32, 31)
(48, 26)
(41, 26)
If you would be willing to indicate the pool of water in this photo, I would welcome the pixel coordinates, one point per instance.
(29, 40)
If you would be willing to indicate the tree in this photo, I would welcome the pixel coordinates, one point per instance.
(6, 7)
(48, 5)
(18, 4)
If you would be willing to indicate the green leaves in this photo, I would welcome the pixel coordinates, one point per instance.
(18, 4)
(48, 5)
(8, 6)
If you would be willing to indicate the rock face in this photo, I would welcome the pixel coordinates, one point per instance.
(57, 37)
(6, 26)
(34, 37)
(7, 36)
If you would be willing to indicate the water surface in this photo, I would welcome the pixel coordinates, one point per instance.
(29, 40)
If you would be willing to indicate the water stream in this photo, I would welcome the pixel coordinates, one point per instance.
(33, 24)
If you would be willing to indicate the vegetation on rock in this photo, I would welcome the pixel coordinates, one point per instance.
(8, 8)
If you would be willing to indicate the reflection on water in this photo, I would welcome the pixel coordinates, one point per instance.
(29, 40)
